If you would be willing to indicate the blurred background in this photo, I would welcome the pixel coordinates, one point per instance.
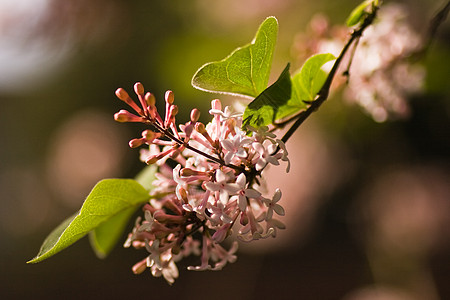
(367, 202)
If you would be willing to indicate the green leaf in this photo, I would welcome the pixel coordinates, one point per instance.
(264, 109)
(108, 198)
(358, 13)
(307, 83)
(246, 70)
(147, 176)
(287, 95)
(104, 237)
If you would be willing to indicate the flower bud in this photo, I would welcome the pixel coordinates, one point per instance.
(183, 194)
(173, 110)
(150, 99)
(139, 88)
(188, 130)
(216, 104)
(169, 97)
(195, 115)
(134, 143)
(151, 160)
(125, 116)
(148, 135)
(140, 267)
(188, 172)
(122, 94)
(200, 127)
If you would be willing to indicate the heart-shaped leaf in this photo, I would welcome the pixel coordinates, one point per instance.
(246, 70)
(104, 237)
(307, 83)
(108, 198)
(287, 95)
(264, 109)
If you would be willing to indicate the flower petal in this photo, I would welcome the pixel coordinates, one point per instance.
(278, 209)
(251, 193)
(242, 202)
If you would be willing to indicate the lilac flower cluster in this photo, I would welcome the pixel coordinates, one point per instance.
(382, 74)
(215, 186)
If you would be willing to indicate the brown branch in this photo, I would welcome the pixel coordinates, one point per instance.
(324, 91)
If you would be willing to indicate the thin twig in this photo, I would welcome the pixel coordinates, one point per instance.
(167, 133)
(346, 73)
(324, 91)
(437, 20)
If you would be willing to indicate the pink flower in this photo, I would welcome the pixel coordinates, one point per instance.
(273, 205)
(221, 186)
(244, 193)
(235, 147)
(225, 256)
(266, 155)
(215, 183)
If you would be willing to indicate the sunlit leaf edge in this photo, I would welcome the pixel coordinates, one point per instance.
(263, 110)
(104, 237)
(54, 243)
(197, 85)
(304, 85)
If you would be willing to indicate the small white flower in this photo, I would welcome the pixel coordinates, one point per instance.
(285, 153)
(226, 114)
(262, 133)
(218, 214)
(244, 193)
(167, 268)
(266, 155)
(226, 256)
(235, 147)
(147, 224)
(155, 254)
(221, 186)
(273, 225)
(272, 205)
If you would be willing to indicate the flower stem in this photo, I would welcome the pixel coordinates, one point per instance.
(181, 143)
